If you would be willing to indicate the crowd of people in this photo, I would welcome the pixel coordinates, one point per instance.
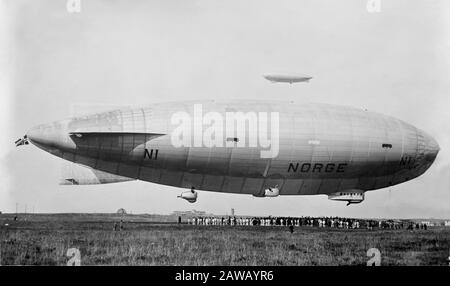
(331, 222)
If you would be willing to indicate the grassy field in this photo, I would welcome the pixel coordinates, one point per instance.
(45, 239)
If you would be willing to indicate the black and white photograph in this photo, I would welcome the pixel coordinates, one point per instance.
(195, 133)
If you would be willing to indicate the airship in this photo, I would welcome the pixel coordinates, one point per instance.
(287, 78)
(253, 147)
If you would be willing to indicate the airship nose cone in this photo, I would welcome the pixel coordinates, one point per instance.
(431, 149)
(39, 135)
(50, 137)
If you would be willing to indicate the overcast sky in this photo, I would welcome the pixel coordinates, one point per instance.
(120, 53)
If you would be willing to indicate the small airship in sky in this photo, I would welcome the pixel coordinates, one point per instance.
(289, 78)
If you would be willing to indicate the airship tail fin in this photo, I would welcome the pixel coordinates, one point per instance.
(75, 174)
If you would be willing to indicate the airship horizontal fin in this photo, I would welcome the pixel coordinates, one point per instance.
(75, 174)
(81, 134)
